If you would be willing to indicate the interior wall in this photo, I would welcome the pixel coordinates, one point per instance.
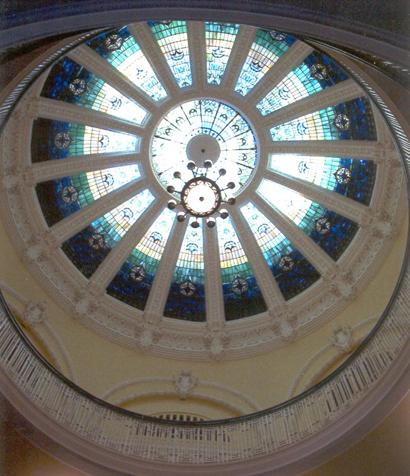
(265, 378)
(383, 452)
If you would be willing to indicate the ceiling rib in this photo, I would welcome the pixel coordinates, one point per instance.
(115, 259)
(54, 169)
(93, 62)
(74, 223)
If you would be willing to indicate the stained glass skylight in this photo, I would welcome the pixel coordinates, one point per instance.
(242, 296)
(317, 72)
(193, 158)
(186, 299)
(219, 38)
(72, 83)
(121, 50)
(291, 270)
(235, 145)
(264, 52)
(172, 38)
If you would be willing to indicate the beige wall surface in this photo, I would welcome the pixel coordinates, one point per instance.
(383, 452)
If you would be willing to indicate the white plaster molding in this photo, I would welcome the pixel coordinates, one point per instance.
(34, 313)
(60, 110)
(197, 52)
(214, 301)
(52, 169)
(239, 53)
(185, 384)
(245, 405)
(160, 287)
(360, 149)
(319, 356)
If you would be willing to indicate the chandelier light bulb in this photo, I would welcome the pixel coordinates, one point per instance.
(177, 174)
(222, 172)
(170, 189)
(230, 185)
(181, 216)
(195, 224)
(231, 200)
(208, 164)
(191, 165)
(172, 204)
(223, 213)
(210, 222)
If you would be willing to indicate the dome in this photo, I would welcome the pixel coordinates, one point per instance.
(193, 183)
(203, 228)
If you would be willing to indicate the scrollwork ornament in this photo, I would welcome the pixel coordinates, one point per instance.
(34, 313)
(184, 384)
(342, 339)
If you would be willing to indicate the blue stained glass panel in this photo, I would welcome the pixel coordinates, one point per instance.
(172, 38)
(321, 125)
(88, 248)
(291, 269)
(129, 60)
(61, 197)
(58, 140)
(241, 293)
(219, 38)
(265, 51)
(301, 83)
(133, 282)
(186, 298)
(305, 213)
(323, 171)
(72, 83)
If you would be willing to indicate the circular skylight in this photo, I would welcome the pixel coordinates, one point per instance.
(209, 174)
(201, 130)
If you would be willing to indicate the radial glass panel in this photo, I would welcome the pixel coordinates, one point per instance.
(58, 140)
(172, 38)
(264, 52)
(241, 293)
(219, 38)
(353, 178)
(133, 282)
(329, 230)
(291, 269)
(121, 50)
(62, 197)
(72, 83)
(316, 73)
(350, 120)
(88, 248)
(186, 298)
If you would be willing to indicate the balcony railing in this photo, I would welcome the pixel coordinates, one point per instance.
(221, 441)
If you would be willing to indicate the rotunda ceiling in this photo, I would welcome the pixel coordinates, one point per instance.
(214, 173)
